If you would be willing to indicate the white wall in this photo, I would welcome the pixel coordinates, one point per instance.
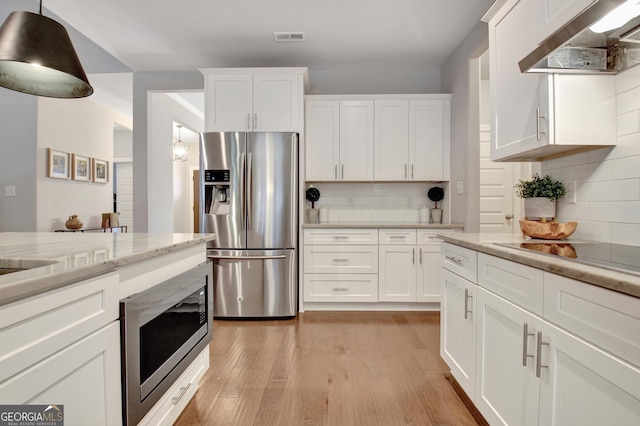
(608, 180)
(78, 126)
(160, 165)
(153, 203)
(182, 190)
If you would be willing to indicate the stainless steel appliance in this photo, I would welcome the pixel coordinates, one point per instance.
(616, 257)
(577, 49)
(163, 329)
(249, 188)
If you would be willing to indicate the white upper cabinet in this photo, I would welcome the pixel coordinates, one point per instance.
(254, 100)
(536, 116)
(392, 140)
(356, 141)
(322, 140)
(559, 12)
(378, 138)
(429, 139)
(412, 140)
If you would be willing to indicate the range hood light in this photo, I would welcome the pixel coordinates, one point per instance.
(617, 17)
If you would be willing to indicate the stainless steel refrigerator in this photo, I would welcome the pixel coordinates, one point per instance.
(249, 193)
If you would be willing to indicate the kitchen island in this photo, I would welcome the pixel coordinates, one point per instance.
(534, 338)
(60, 318)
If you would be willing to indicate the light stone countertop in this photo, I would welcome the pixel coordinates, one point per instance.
(486, 243)
(384, 225)
(76, 256)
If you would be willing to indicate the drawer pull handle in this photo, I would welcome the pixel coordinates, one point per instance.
(340, 260)
(341, 289)
(397, 237)
(183, 390)
(539, 365)
(340, 238)
(467, 296)
(454, 260)
(525, 344)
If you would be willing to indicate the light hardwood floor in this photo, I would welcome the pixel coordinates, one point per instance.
(328, 368)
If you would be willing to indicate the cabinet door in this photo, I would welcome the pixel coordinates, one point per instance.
(397, 273)
(356, 141)
(392, 140)
(429, 273)
(506, 390)
(458, 329)
(322, 146)
(427, 140)
(514, 95)
(84, 377)
(583, 385)
(559, 12)
(228, 102)
(276, 103)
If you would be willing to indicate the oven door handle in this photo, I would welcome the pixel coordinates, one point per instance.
(280, 256)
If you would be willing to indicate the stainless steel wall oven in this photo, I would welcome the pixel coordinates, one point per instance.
(162, 331)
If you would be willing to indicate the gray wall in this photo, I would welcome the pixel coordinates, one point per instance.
(349, 81)
(462, 80)
(18, 147)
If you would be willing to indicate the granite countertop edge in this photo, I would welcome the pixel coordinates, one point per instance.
(383, 225)
(617, 281)
(18, 286)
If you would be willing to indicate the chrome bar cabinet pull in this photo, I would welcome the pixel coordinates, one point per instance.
(525, 344)
(539, 365)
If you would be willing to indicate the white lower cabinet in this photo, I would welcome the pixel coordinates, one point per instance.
(340, 265)
(84, 377)
(506, 386)
(458, 329)
(410, 269)
(526, 369)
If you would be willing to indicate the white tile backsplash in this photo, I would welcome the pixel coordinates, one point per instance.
(608, 179)
(378, 202)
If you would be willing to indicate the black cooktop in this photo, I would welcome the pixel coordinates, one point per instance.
(616, 257)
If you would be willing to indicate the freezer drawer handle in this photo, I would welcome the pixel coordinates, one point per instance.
(215, 256)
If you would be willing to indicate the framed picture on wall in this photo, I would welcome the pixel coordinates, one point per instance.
(80, 167)
(58, 164)
(100, 171)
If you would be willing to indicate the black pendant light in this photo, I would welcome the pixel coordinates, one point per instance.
(37, 57)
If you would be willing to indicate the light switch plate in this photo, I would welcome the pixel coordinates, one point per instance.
(570, 190)
(459, 187)
(9, 191)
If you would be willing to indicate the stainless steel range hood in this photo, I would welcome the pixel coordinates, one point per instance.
(575, 49)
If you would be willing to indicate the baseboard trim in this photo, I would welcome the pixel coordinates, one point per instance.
(466, 400)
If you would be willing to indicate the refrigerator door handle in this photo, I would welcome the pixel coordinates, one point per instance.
(249, 190)
(242, 195)
(217, 257)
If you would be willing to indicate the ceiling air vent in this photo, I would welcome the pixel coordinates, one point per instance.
(282, 37)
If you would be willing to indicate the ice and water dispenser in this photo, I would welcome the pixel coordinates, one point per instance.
(217, 192)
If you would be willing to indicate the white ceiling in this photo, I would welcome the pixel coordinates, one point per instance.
(165, 35)
(191, 34)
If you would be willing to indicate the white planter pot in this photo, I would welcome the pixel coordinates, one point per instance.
(539, 208)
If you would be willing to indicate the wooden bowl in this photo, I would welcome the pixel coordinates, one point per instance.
(547, 230)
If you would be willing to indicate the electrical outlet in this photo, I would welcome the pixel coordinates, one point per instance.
(570, 192)
(9, 191)
(350, 201)
(410, 202)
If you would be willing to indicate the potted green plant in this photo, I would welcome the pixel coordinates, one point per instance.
(540, 195)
